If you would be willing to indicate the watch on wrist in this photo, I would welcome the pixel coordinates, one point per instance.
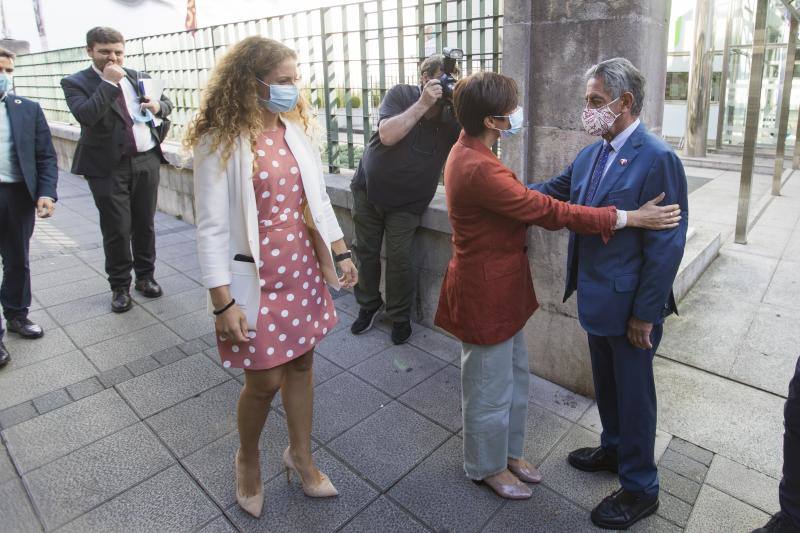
(342, 256)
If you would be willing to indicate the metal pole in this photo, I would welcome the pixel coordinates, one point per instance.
(751, 122)
(401, 54)
(699, 98)
(783, 115)
(328, 75)
(723, 82)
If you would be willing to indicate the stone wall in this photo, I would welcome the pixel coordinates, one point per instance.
(176, 197)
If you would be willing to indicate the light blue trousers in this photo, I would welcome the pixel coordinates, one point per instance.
(494, 404)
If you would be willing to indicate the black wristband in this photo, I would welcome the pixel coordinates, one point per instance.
(342, 256)
(218, 312)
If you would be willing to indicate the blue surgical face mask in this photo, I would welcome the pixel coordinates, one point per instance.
(6, 82)
(515, 123)
(282, 98)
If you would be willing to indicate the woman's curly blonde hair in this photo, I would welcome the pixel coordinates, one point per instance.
(230, 102)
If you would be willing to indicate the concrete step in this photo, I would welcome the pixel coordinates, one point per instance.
(761, 166)
(702, 247)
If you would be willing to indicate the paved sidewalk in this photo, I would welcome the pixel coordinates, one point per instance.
(126, 422)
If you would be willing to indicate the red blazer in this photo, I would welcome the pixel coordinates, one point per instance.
(487, 294)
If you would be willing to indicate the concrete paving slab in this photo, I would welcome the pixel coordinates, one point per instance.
(688, 339)
(51, 400)
(347, 350)
(725, 417)
(200, 420)
(175, 305)
(545, 511)
(678, 486)
(741, 275)
(766, 241)
(72, 485)
(383, 515)
(439, 493)
(171, 384)
(26, 383)
(768, 353)
(105, 327)
(143, 365)
(26, 352)
(62, 276)
(212, 465)
(192, 325)
(557, 399)
(17, 414)
(683, 465)
(342, 402)
(398, 369)
(543, 430)
(673, 509)
(82, 309)
(388, 444)
(54, 264)
(583, 488)
(219, 525)
(688, 449)
(746, 484)
(73, 291)
(292, 511)
(435, 343)
(173, 503)
(16, 510)
(126, 348)
(716, 512)
(784, 289)
(84, 388)
(60, 432)
(438, 398)
(7, 470)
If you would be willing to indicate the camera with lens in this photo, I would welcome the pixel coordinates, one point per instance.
(451, 55)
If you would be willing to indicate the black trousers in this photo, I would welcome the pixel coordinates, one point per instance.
(127, 201)
(17, 211)
(790, 484)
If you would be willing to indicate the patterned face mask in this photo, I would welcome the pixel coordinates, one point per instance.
(599, 121)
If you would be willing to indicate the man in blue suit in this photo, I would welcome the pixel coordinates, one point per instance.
(28, 177)
(625, 286)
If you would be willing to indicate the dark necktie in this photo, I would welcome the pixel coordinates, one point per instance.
(129, 145)
(598, 172)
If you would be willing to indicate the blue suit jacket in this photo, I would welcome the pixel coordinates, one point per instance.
(34, 146)
(632, 275)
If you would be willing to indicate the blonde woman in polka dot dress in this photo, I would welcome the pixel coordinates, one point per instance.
(268, 243)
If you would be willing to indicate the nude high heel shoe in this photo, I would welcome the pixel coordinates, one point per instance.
(324, 489)
(252, 505)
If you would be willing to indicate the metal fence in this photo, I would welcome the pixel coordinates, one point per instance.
(349, 56)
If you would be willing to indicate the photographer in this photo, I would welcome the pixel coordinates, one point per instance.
(393, 185)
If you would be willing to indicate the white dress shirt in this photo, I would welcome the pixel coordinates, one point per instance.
(141, 131)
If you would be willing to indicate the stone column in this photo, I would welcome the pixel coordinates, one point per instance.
(547, 47)
(699, 98)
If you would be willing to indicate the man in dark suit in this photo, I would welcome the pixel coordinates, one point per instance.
(119, 152)
(625, 286)
(28, 177)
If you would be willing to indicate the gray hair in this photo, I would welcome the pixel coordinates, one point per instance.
(431, 64)
(620, 76)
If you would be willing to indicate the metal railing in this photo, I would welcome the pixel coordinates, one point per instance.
(349, 56)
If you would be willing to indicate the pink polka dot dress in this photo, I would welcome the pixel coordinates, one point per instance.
(296, 309)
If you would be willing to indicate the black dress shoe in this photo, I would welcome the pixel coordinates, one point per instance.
(121, 301)
(401, 331)
(148, 287)
(594, 459)
(779, 523)
(25, 328)
(5, 357)
(623, 509)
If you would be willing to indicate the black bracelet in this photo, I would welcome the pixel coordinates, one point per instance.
(218, 312)
(342, 256)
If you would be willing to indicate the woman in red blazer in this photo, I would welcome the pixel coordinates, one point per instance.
(487, 295)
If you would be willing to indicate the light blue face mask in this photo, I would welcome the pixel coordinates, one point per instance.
(6, 82)
(282, 98)
(515, 123)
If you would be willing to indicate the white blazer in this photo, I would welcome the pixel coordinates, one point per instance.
(227, 223)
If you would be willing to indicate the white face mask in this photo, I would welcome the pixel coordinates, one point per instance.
(598, 121)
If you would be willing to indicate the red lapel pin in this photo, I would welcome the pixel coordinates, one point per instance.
(623, 162)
